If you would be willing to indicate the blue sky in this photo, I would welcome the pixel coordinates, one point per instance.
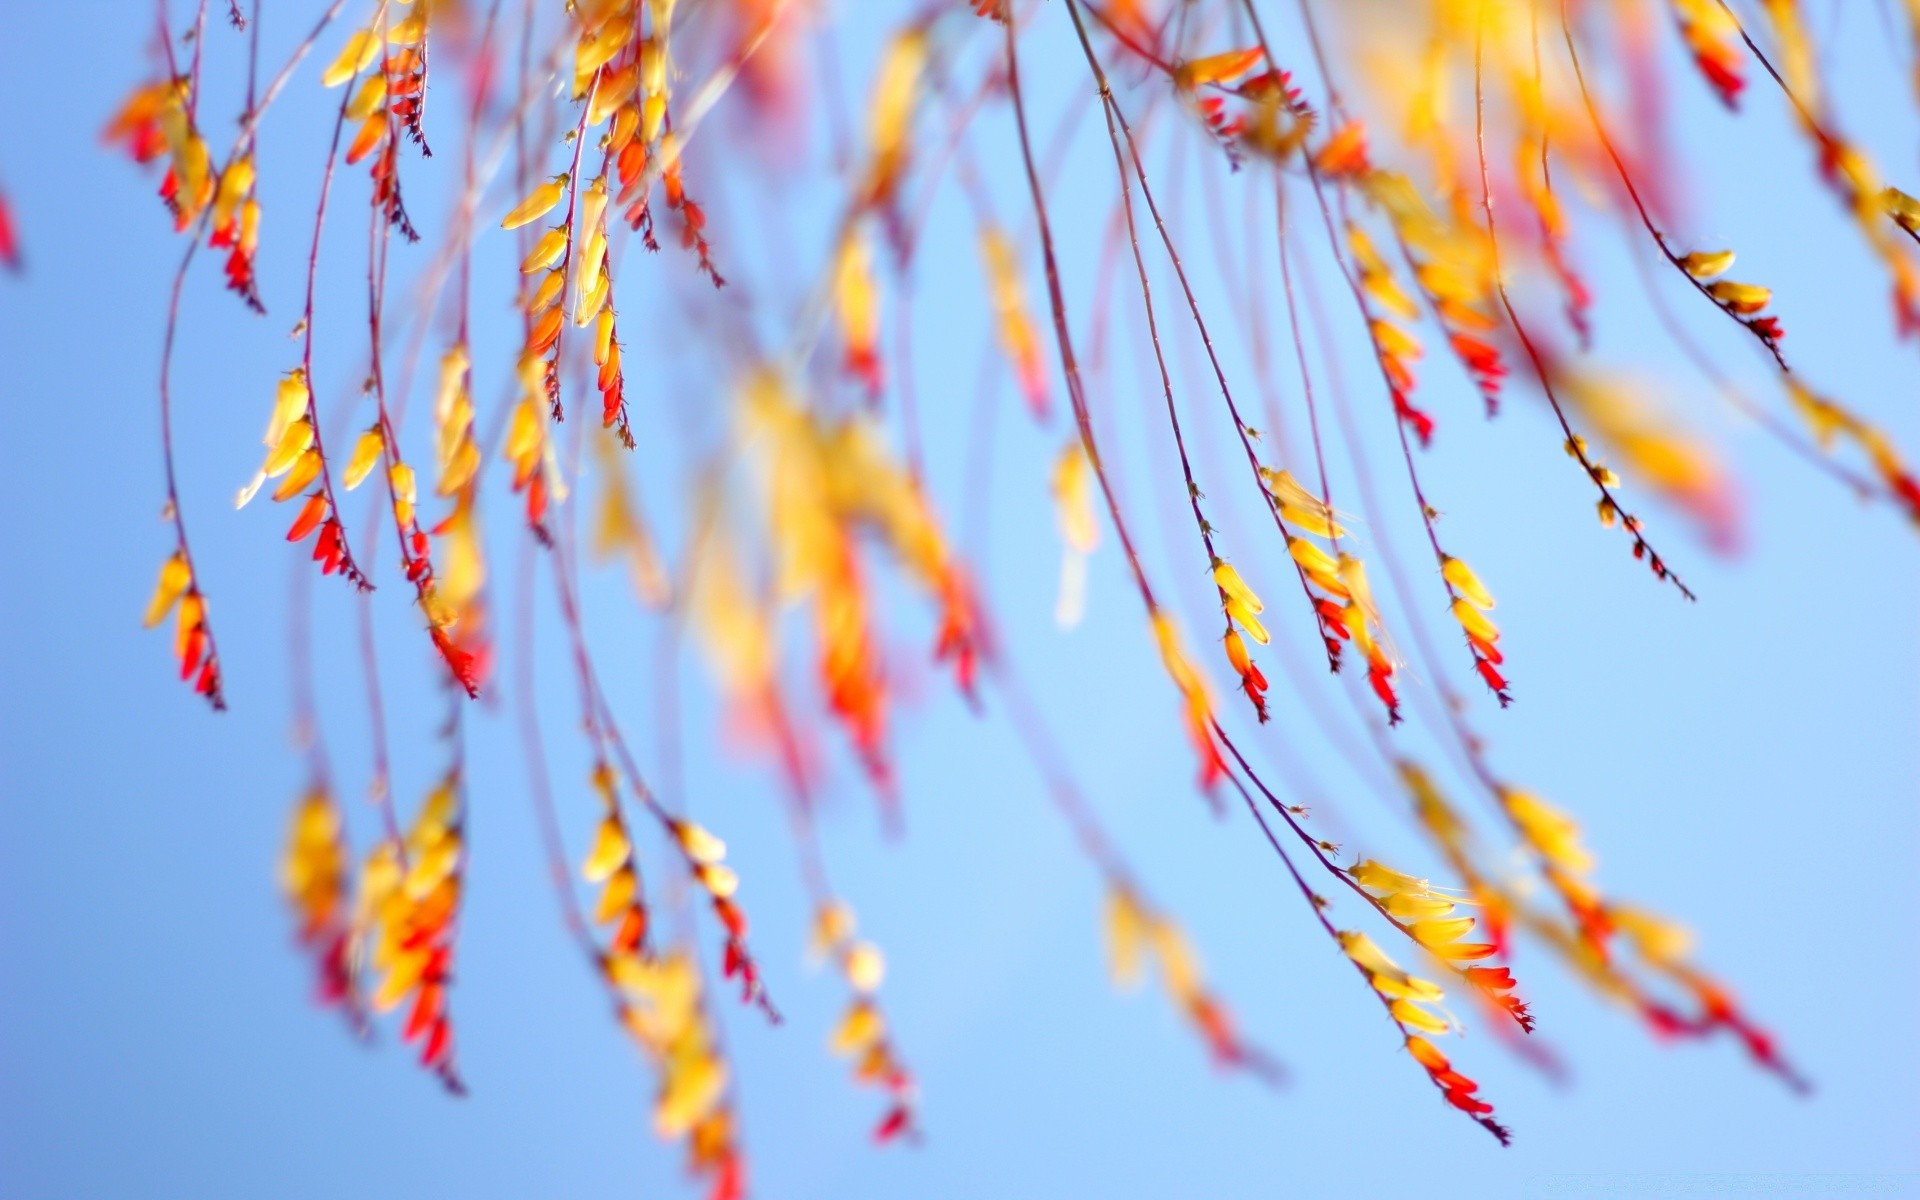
(1748, 763)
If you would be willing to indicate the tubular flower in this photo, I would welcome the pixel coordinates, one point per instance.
(10, 256)
(526, 446)
(622, 532)
(1137, 935)
(1453, 273)
(862, 1033)
(1360, 620)
(1344, 153)
(890, 111)
(857, 302)
(1395, 348)
(1196, 709)
(1013, 324)
(409, 903)
(193, 639)
(1712, 37)
(612, 382)
(356, 55)
(314, 874)
(1079, 530)
(537, 203)
(1300, 508)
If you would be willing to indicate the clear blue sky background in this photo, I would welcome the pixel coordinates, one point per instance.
(1748, 763)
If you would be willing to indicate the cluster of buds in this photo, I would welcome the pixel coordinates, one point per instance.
(704, 855)
(294, 457)
(409, 903)
(613, 866)
(962, 638)
(634, 88)
(1393, 344)
(1217, 74)
(1341, 613)
(1135, 935)
(416, 561)
(1829, 422)
(236, 227)
(392, 94)
(313, 875)
(1360, 622)
(1409, 1000)
(662, 1008)
(1454, 275)
(193, 640)
(1564, 861)
(1470, 605)
(1272, 120)
(862, 1033)
(1744, 302)
(1425, 913)
(547, 262)
(455, 616)
(158, 119)
(1300, 509)
(1242, 608)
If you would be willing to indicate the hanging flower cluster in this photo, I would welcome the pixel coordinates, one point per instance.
(1372, 180)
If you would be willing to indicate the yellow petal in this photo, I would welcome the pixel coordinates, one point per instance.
(1474, 622)
(539, 203)
(1228, 580)
(1707, 264)
(617, 896)
(718, 878)
(865, 967)
(1437, 932)
(366, 452)
(174, 580)
(1744, 298)
(355, 57)
(1415, 1017)
(610, 851)
(861, 1027)
(546, 251)
(1464, 581)
(293, 443)
(698, 844)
